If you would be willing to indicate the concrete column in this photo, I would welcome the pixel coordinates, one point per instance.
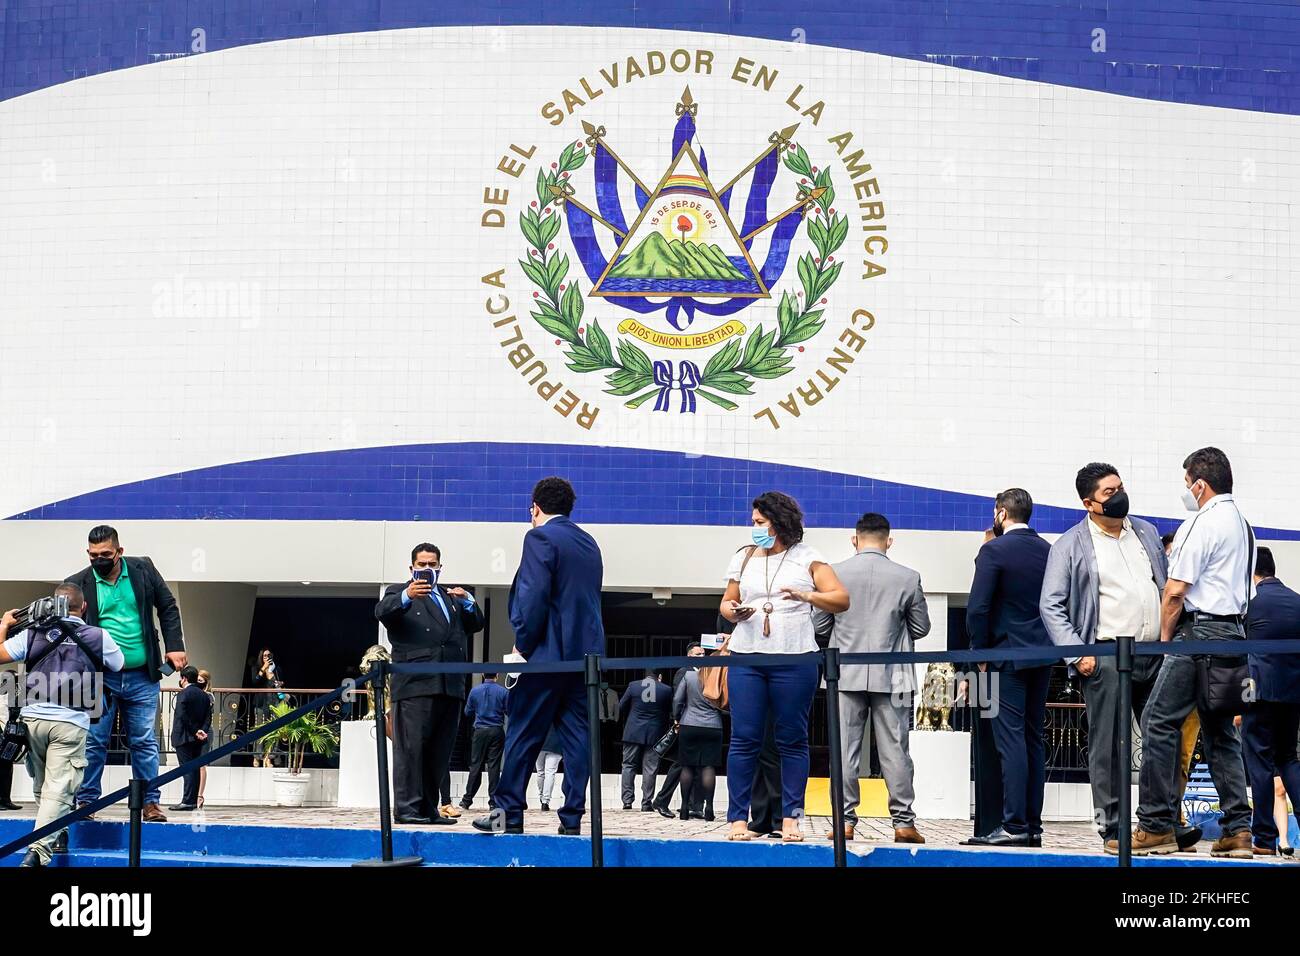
(217, 618)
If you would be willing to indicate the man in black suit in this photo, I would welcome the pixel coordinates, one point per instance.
(1270, 725)
(646, 708)
(426, 623)
(193, 713)
(1003, 612)
(122, 596)
(984, 752)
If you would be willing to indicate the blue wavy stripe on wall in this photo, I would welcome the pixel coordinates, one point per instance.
(1242, 54)
(488, 481)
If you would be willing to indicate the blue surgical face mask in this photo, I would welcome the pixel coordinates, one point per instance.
(763, 537)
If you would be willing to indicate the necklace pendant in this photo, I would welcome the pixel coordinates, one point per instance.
(767, 608)
(767, 623)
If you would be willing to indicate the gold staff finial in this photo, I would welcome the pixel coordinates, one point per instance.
(806, 198)
(687, 103)
(777, 141)
(596, 136)
(564, 194)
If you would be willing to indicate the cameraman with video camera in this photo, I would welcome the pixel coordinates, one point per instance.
(65, 657)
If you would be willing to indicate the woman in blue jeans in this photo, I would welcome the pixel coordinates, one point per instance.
(772, 588)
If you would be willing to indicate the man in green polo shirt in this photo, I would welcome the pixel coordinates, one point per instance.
(123, 594)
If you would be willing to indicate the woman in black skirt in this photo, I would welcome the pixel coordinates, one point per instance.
(699, 744)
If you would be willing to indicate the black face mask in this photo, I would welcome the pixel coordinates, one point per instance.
(103, 566)
(1116, 506)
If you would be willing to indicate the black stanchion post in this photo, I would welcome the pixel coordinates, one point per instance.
(1124, 724)
(377, 686)
(381, 757)
(592, 673)
(135, 803)
(831, 656)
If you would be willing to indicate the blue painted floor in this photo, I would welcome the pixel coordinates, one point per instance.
(104, 843)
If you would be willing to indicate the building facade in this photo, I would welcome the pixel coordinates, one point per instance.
(291, 287)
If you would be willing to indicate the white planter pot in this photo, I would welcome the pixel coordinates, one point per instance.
(291, 788)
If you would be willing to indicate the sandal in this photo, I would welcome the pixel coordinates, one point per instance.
(788, 837)
(741, 836)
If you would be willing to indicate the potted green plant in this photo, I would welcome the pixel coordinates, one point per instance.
(308, 733)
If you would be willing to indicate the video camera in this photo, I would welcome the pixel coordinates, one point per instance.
(42, 613)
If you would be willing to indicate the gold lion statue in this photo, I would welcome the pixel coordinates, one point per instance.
(373, 655)
(936, 697)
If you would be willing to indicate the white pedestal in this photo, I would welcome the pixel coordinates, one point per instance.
(358, 767)
(942, 766)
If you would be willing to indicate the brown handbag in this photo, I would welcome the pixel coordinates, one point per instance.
(713, 680)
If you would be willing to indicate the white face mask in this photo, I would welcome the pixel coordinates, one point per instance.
(1189, 500)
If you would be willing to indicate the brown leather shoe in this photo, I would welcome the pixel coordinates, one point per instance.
(1262, 851)
(450, 810)
(153, 814)
(907, 835)
(848, 832)
(1153, 844)
(1237, 846)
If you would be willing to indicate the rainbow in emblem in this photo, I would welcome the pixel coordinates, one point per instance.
(679, 183)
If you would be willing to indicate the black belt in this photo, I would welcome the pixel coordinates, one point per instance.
(1197, 616)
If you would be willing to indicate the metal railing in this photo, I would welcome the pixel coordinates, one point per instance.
(236, 710)
(594, 666)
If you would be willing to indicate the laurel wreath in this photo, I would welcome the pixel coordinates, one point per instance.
(630, 372)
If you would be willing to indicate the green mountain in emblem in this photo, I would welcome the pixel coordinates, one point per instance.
(658, 258)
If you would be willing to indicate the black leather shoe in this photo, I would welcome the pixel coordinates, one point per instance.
(569, 831)
(184, 807)
(441, 821)
(494, 824)
(60, 843)
(627, 806)
(1187, 837)
(1036, 840)
(1000, 837)
(546, 807)
(416, 821)
(647, 808)
(663, 811)
(9, 805)
(31, 859)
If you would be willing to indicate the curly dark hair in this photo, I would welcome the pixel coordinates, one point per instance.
(554, 496)
(785, 515)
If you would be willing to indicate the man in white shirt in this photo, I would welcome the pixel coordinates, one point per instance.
(64, 688)
(1205, 599)
(1103, 581)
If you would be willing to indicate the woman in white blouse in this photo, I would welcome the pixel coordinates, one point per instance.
(772, 589)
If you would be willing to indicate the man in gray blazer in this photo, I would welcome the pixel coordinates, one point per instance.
(887, 612)
(1103, 580)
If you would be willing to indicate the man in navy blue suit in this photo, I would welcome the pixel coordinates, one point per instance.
(1003, 612)
(1269, 727)
(556, 615)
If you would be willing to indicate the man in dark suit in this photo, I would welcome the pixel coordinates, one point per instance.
(1270, 725)
(646, 708)
(122, 596)
(1003, 612)
(555, 611)
(426, 623)
(193, 713)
